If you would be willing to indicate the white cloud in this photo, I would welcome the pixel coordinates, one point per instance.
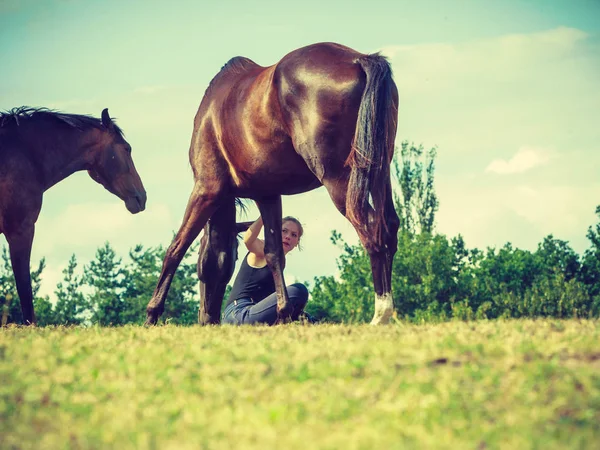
(525, 159)
(439, 65)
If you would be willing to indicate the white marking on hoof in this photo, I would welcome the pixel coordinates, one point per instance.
(384, 308)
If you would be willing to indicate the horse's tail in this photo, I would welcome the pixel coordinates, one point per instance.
(372, 148)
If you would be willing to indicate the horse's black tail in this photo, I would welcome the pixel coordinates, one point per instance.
(373, 146)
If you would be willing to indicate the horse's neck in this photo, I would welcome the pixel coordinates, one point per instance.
(62, 154)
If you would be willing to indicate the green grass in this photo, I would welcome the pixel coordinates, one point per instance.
(474, 385)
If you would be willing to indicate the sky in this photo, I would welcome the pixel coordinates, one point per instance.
(508, 91)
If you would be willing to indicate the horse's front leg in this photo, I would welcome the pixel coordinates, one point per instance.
(216, 262)
(200, 206)
(19, 245)
(270, 210)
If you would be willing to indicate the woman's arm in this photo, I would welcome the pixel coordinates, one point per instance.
(253, 244)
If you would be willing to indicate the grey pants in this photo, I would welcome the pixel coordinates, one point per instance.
(245, 312)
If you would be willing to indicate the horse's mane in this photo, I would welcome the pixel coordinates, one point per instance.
(16, 116)
(238, 64)
(235, 65)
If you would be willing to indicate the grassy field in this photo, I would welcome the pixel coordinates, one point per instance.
(477, 385)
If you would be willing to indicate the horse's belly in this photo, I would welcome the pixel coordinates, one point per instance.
(269, 183)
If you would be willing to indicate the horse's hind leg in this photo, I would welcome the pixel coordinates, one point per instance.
(19, 245)
(216, 263)
(382, 258)
(201, 205)
(381, 251)
(270, 211)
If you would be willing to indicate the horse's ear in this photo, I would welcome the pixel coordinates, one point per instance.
(106, 120)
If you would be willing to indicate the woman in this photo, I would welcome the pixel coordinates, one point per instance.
(253, 299)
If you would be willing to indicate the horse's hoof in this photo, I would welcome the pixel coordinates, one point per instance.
(151, 320)
(382, 316)
(384, 309)
(381, 320)
(282, 320)
(203, 321)
(205, 318)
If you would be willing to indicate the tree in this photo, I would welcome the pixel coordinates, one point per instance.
(417, 202)
(181, 306)
(71, 306)
(348, 298)
(141, 277)
(424, 276)
(44, 313)
(590, 273)
(556, 255)
(590, 267)
(105, 276)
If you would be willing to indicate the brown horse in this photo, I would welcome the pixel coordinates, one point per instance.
(39, 148)
(323, 115)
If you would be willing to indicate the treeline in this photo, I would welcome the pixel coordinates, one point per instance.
(434, 278)
(109, 291)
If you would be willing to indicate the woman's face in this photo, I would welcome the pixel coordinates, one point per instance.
(290, 235)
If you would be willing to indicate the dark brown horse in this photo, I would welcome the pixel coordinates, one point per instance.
(39, 148)
(323, 115)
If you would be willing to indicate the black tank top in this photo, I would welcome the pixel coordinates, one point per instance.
(251, 282)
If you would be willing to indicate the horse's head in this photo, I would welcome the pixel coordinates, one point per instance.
(113, 167)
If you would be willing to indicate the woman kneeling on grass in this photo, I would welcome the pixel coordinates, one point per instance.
(253, 299)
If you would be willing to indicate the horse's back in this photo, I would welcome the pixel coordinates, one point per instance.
(231, 73)
(325, 64)
(238, 131)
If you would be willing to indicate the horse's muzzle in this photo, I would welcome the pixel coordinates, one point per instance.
(136, 203)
